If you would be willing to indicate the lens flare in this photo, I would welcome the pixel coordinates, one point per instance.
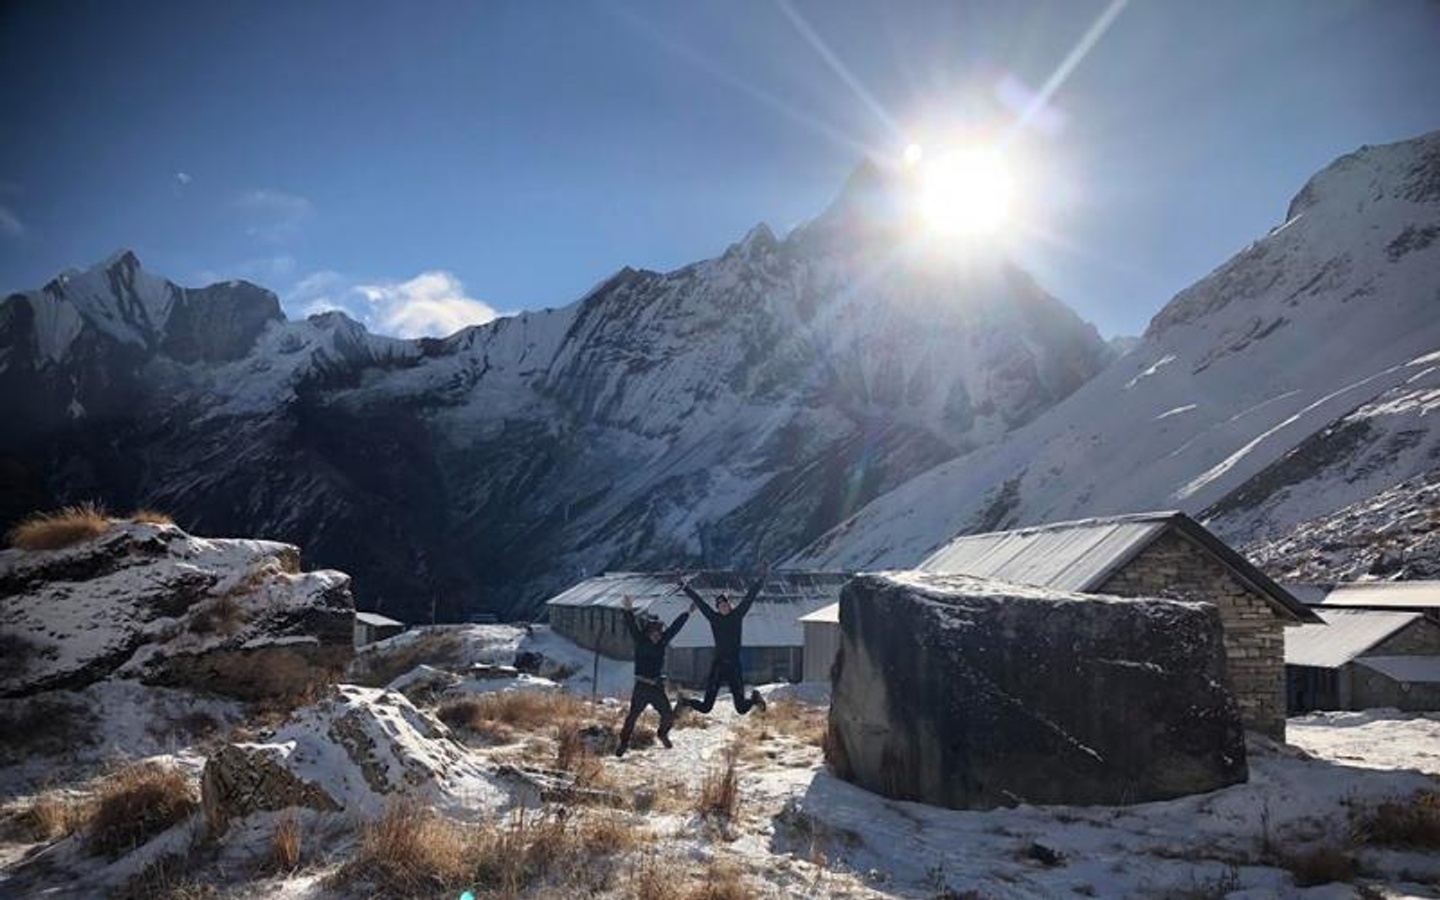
(967, 192)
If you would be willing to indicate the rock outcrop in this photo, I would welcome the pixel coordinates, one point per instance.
(150, 602)
(351, 751)
(969, 693)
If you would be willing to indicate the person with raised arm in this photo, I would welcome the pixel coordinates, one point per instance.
(651, 638)
(726, 623)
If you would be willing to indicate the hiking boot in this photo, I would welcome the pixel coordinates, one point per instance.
(757, 701)
(620, 750)
(664, 737)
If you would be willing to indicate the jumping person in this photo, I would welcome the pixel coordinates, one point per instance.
(725, 624)
(651, 639)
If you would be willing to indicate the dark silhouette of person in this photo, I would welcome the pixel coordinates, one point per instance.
(726, 623)
(651, 638)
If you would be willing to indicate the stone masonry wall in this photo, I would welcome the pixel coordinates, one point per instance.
(1420, 638)
(1176, 567)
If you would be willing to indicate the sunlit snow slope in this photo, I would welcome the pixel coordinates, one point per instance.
(1301, 376)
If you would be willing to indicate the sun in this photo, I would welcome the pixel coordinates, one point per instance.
(963, 192)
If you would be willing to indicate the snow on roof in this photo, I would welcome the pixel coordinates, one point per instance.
(829, 613)
(1414, 595)
(772, 622)
(1419, 669)
(1082, 555)
(375, 619)
(1344, 635)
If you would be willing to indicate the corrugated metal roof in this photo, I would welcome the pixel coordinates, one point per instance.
(370, 618)
(1415, 595)
(773, 621)
(1414, 669)
(829, 614)
(1345, 635)
(1082, 555)
(1066, 556)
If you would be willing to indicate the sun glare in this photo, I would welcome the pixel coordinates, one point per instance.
(966, 192)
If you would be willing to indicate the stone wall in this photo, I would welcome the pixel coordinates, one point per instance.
(1175, 566)
(1420, 638)
(592, 626)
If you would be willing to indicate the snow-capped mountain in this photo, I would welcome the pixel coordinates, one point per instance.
(732, 409)
(1300, 376)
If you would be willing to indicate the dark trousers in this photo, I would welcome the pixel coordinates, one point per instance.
(727, 672)
(646, 694)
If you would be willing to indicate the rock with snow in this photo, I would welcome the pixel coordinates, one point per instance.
(355, 751)
(969, 693)
(150, 602)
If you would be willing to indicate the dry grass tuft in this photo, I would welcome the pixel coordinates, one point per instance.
(719, 881)
(1318, 865)
(60, 528)
(655, 878)
(137, 803)
(224, 615)
(151, 517)
(52, 816)
(285, 843)
(720, 790)
(791, 718)
(412, 850)
(378, 666)
(501, 713)
(1403, 823)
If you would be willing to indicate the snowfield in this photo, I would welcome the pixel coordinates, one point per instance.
(799, 831)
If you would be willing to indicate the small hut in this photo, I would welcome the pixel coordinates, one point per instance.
(371, 627)
(1363, 659)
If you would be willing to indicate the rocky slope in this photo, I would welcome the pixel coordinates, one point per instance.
(151, 603)
(1297, 378)
(730, 409)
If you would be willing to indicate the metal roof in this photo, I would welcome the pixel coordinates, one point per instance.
(829, 614)
(772, 622)
(1415, 669)
(1082, 555)
(1413, 595)
(371, 618)
(1345, 634)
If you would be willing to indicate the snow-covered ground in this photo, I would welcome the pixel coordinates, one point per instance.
(802, 832)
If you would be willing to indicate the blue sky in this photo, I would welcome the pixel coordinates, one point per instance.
(428, 163)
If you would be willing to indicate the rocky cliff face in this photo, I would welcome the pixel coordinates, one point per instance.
(1295, 379)
(731, 409)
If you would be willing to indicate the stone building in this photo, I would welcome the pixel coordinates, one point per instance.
(1159, 554)
(591, 614)
(1364, 659)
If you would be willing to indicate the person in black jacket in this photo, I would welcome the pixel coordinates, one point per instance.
(651, 639)
(725, 625)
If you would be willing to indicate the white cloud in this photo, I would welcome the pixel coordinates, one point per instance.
(10, 224)
(183, 178)
(432, 304)
(274, 215)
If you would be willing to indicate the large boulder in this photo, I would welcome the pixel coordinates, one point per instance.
(354, 750)
(150, 602)
(969, 693)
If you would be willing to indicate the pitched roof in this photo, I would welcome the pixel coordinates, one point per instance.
(371, 618)
(829, 614)
(772, 622)
(1345, 635)
(1414, 595)
(1416, 669)
(1082, 555)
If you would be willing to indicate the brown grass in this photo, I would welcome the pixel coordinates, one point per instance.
(720, 880)
(412, 850)
(42, 726)
(137, 803)
(655, 878)
(378, 667)
(224, 615)
(151, 517)
(59, 528)
(720, 790)
(285, 843)
(499, 714)
(1403, 823)
(52, 816)
(1319, 865)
